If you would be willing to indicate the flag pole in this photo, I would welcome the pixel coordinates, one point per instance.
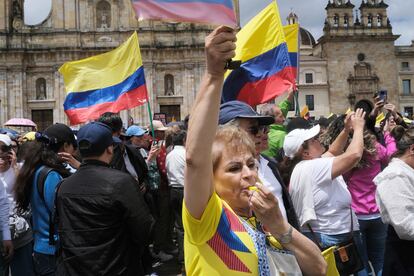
(235, 64)
(297, 111)
(150, 117)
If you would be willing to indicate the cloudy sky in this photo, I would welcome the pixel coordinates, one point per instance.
(312, 14)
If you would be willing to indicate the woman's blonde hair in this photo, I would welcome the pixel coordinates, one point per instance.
(232, 139)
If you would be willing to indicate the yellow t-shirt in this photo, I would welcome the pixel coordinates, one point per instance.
(218, 243)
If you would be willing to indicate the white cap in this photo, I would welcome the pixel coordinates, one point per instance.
(5, 139)
(158, 125)
(295, 139)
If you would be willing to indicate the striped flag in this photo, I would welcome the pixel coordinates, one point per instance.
(220, 12)
(109, 82)
(266, 71)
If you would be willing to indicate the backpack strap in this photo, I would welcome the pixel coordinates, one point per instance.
(54, 217)
(41, 179)
(44, 171)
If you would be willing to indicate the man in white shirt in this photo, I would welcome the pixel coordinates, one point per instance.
(175, 164)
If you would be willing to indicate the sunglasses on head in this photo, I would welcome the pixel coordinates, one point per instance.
(254, 130)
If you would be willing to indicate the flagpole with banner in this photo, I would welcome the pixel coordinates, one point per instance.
(151, 125)
(297, 110)
(150, 117)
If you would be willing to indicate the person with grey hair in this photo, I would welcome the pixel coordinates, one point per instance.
(277, 130)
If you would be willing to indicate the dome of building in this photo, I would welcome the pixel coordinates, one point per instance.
(306, 38)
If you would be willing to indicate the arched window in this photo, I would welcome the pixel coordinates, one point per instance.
(369, 21)
(336, 20)
(346, 20)
(41, 89)
(379, 20)
(103, 15)
(169, 85)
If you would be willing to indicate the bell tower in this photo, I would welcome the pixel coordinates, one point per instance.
(292, 18)
(374, 18)
(339, 18)
(354, 43)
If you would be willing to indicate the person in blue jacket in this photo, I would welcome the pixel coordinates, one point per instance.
(40, 199)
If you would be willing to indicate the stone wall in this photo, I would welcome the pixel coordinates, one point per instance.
(342, 56)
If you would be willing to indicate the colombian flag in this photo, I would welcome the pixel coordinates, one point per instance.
(266, 71)
(292, 40)
(220, 12)
(109, 82)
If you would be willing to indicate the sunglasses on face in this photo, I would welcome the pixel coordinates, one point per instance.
(254, 130)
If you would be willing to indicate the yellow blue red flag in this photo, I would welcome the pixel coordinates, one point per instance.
(266, 71)
(292, 40)
(219, 12)
(109, 82)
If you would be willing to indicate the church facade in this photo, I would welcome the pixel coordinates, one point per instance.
(354, 58)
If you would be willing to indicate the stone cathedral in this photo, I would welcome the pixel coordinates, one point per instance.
(355, 57)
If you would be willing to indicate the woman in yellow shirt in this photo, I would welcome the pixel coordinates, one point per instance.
(222, 236)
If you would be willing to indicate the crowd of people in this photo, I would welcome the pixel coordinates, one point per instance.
(228, 191)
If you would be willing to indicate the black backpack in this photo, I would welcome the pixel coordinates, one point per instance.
(41, 190)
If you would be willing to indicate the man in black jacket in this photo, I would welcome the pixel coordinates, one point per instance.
(103, 220)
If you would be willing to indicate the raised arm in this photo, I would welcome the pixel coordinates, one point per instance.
(352, 155)
(198, 186)
(338, 146)
(286, 104)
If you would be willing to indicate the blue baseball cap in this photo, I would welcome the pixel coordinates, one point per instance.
(236, 109)
(94, 138)
(135, 131)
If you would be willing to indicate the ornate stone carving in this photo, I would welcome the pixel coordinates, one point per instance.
(363, 83)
